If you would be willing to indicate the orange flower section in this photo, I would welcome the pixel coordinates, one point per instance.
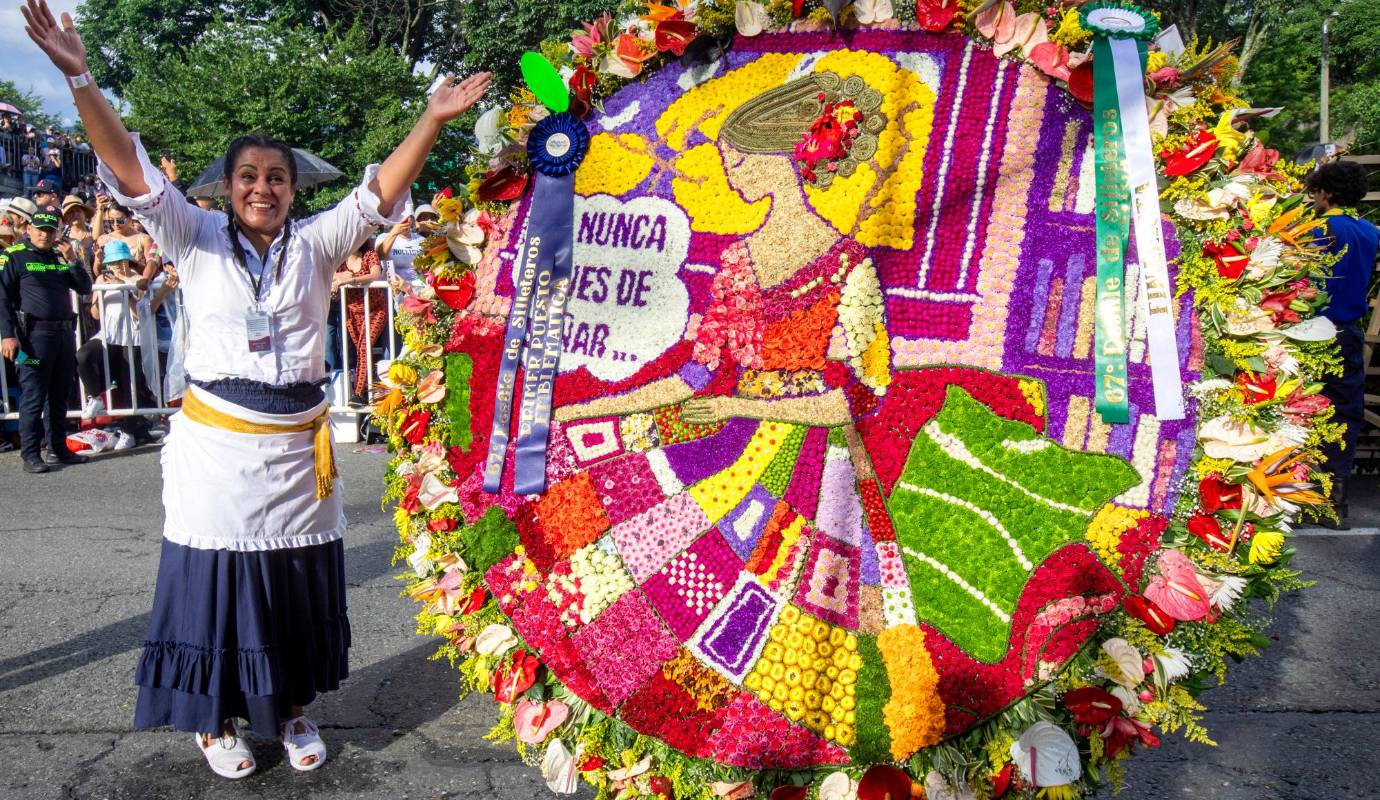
(915, 715)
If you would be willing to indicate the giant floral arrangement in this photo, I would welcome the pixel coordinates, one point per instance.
(850, 639)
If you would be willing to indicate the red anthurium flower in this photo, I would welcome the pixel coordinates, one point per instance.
(1278, 304)
(591, 763)
(675, 35)
(505, 183)
(1091, 705)
(1001, 782)
(516, 678)
(441, 525)
(1256, 388)
(1081, 82)
(1152, 615)
(1231, 259)
(1216, 494)
(475, 602)
(935, 16)
(1260, 161)
(1191, 156)
(447, 193)
(790, 793)
(1209, 530)
(884, 782)
(456, 292)
(583, 81)
(661, 787)
(414, 426)
(797, 6)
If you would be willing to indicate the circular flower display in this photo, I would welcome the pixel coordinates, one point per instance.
(830, 502)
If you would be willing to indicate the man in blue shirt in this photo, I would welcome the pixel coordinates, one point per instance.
(1336, 188)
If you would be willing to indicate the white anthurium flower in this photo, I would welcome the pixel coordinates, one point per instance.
(1130, 703)
(1317, 329)
(750, 17)
(1047, 756)
(405, 467)
(838, 786)
(631, 772)
(871, 12)
(429, 461)
(435, 491)
(560, 768)
(420, 559)
(1223, 437)
(495, 640)
(488, 131)
(1129, 662)
(937, 788)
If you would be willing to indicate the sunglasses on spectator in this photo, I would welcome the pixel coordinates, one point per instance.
(119, 220)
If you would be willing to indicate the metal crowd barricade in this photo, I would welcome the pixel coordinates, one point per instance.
(344, 413)
(384, 348)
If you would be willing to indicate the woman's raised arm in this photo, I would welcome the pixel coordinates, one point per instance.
(107, 133)
(394, 180)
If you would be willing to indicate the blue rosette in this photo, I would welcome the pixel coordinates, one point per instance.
(557, 145)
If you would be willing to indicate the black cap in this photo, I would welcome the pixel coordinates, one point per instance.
(47, 217)
(46, 185)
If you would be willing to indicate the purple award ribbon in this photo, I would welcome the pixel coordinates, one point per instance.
(536, 321)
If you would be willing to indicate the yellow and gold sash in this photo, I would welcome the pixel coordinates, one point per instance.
(326, 473)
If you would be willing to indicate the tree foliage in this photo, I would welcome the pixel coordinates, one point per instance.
(497, 31)
(27, 102)
(121, 32)
(1281, 45)
(330, 93)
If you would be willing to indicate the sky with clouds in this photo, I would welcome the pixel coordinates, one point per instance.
(22, 62)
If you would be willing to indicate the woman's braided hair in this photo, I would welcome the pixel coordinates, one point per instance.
(232, 154)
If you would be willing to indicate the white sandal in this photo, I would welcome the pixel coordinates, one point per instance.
(226, 754)
(303, 745)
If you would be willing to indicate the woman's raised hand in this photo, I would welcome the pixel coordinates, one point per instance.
(60, 42)
(452, 99)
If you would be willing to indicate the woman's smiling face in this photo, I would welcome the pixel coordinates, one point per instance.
(261, 189)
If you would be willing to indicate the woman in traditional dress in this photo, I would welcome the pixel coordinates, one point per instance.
(249, 614)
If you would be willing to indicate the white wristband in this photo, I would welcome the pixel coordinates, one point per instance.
(78, 81)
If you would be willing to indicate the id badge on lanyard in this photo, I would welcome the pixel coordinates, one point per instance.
(258, 329)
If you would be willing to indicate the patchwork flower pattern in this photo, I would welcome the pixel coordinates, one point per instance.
(826, 484)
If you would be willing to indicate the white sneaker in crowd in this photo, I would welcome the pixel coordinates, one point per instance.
(93, 408)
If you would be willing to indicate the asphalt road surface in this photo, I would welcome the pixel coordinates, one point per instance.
(78, 555)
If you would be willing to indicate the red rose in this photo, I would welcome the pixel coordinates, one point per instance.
(661, 787)
(1145, 610)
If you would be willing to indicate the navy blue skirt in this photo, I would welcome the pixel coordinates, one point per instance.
(243, 635)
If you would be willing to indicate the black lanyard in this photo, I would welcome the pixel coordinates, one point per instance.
(256, 284)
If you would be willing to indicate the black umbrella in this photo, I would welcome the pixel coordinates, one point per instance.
(311, 171)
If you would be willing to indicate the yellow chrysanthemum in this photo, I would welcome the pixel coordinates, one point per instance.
(1266, 547)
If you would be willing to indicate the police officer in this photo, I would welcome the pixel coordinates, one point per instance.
(37, 326)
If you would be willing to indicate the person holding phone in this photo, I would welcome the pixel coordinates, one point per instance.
(249, 615)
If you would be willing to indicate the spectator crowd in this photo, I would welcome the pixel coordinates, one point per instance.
(128, 356)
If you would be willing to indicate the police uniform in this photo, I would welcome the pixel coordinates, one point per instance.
(37, 309)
